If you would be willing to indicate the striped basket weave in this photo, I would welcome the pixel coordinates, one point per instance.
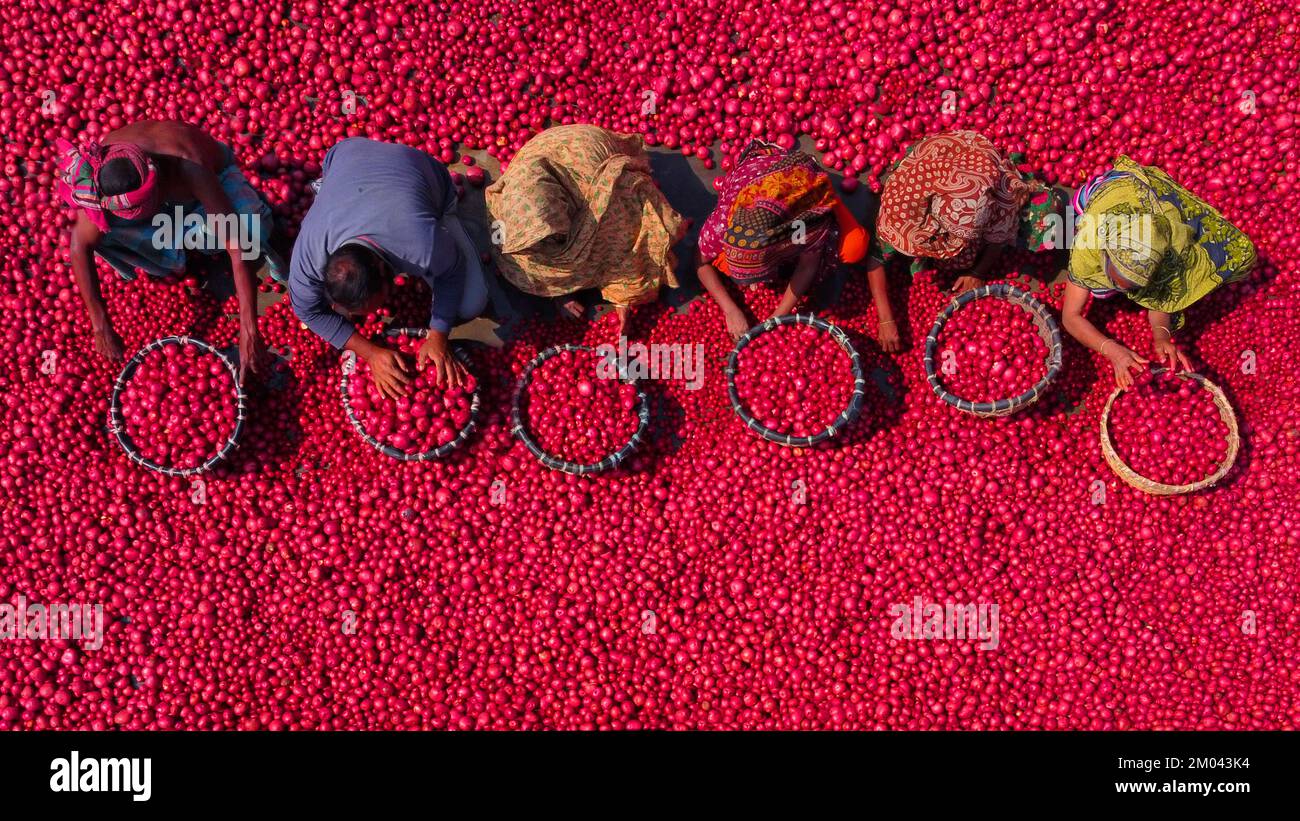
(520, 430)
(117, 425)
(847, 417)
(1048, 329)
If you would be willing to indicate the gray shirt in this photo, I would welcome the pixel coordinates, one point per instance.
(392, 197)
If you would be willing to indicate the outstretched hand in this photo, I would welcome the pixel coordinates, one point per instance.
(251, 350)
(1126, 363)
(390, 371)
(108, 343)
(435, 351)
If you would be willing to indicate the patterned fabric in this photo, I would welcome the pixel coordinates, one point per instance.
(1042, 220)
(131, 244)
(1079, 204)
(1176, 249)
(78, 183)
(774, 206)
(954, 192)
(1085, 191)
(577, 208)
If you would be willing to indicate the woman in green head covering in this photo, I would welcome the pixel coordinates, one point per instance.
(1145, 236)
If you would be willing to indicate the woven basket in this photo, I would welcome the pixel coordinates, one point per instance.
(520, 431)
(422, 456)
(1048, 329)
(1146, 485)
(117, 426)
(847, 417)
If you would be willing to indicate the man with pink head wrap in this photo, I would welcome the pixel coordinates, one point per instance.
(123, 190)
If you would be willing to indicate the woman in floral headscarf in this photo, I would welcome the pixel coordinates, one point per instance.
(121, 186)
(1145, 236)
(958, 201)
(777, 208)
(577, 209)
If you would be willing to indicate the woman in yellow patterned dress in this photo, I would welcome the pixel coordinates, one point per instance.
(577, 208)
(1145, 236)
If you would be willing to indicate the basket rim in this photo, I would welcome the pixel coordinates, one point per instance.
(845, 418)
(1048, 328)
(439, 452)
(117, 424)
(520, 431)
(1134, 479)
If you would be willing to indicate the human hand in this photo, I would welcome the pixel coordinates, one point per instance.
(737, 323)
(890, 341)
(108, 343)
(436, 352)
(1167, 353)
(1126, 363)
(390, 371)
(251, 350)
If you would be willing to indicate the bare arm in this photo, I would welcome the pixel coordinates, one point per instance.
(1162, 341)
(207, 188)
(890, 340)
(1072, 316)
(805, 272)
(737, 322)
(82, 242)
(361, 346)
(1124, 361)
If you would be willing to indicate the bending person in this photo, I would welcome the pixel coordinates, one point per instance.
(956, 200)
(578, 209)
(777, 209)
(383, 210)
(1145, 236)
(128, 189)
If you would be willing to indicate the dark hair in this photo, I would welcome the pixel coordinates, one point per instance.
(353, 275)
(118, 177)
